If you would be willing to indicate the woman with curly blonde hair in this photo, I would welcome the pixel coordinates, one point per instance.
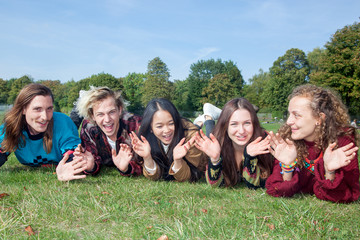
(316, 149)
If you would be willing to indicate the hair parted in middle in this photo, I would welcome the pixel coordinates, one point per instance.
(164, 160)
(85, 104)
(227, 150)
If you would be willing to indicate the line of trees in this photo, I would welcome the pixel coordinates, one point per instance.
(337, 66)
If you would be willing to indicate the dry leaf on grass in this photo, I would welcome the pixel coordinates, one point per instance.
(149, 227)
(204, 210)
(105, 193)
(3, 195)
(29, 230)
(163, 237)
(271, 226)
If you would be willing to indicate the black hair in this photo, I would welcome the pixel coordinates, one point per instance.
(164, 160)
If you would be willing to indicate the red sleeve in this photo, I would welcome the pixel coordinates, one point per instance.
(277, 187)
(345, 187)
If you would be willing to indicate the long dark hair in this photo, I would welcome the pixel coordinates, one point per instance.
(15, 121)
(164, 160)
(265, 161)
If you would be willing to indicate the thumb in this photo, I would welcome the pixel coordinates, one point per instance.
(64, 159)
(113, 153)
(332, 146)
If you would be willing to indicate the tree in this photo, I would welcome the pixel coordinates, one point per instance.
(200, 74)
(254, 92)
(340, 68)
(314, 58)
(133, 86)
(4, 91)
(16, 86)
(219, 90)
(157, 84)
(57, 89)
(180, 96)
(287, 72)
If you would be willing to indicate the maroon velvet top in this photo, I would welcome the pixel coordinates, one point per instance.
(344, 188)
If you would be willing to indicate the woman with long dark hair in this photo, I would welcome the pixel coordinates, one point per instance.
(165, 144)
(237, 148)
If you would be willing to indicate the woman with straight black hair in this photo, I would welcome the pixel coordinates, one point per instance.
(165, 144)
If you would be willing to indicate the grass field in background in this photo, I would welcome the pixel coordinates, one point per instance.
(113, 207)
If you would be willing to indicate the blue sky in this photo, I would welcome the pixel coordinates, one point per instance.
(70, 39)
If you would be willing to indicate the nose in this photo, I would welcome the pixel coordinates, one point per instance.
(241, 128)
(44, 115)
(107, 118)
(290, 120)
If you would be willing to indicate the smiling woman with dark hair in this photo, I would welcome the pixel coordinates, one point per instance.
(237, 148)
(165, 144)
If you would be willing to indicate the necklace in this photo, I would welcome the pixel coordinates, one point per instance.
(310, 164)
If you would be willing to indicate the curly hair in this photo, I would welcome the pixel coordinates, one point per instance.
(335, 124)
(85, 104)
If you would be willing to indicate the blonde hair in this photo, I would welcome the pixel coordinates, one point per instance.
(335, 124)
(15, 121)
(85, 104)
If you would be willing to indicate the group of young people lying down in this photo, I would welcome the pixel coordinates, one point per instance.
(314, 152)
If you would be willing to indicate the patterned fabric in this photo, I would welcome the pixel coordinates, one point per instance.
(95, 141)
(250, 173)
(65, 137)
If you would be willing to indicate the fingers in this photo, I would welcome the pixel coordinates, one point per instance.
(213, 138)
(181, 142)
(64, 159)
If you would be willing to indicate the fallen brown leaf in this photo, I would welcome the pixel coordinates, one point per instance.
(336, 229)
(156, 203)
(271, 226)
(29, 230)
(163, 237)
(149, 227)
(204, 210)
(105, 193)
(3, 195)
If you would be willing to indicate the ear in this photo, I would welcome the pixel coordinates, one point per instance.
(322, 118)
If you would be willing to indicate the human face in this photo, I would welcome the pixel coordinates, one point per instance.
(38, 114)
(107, 115)
(240, 128)
(163, 126)
(301, 119)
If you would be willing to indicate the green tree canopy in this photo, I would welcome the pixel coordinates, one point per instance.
(254, 91)
(287, 72)
(200, 74)
(16, 86)
(133, 86)
(219, 90)
(340, 66)
(157, 84)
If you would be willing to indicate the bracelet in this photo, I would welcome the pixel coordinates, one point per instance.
(287, 168)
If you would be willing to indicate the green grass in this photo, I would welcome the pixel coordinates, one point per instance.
(113, 207)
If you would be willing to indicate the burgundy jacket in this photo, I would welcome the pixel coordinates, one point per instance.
(344, 188)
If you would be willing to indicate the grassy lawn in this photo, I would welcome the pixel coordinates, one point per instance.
(113, 207)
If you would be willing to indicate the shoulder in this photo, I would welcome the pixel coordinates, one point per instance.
(131, 121)
(58, 116)
(189, 127)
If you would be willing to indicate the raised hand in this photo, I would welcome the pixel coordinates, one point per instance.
(122, 159)
(90, 160)
(258, 147)
(141, 147)
(210, 146)
(338, 158)
(282, 150)
(67, 171)
(182, 148)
